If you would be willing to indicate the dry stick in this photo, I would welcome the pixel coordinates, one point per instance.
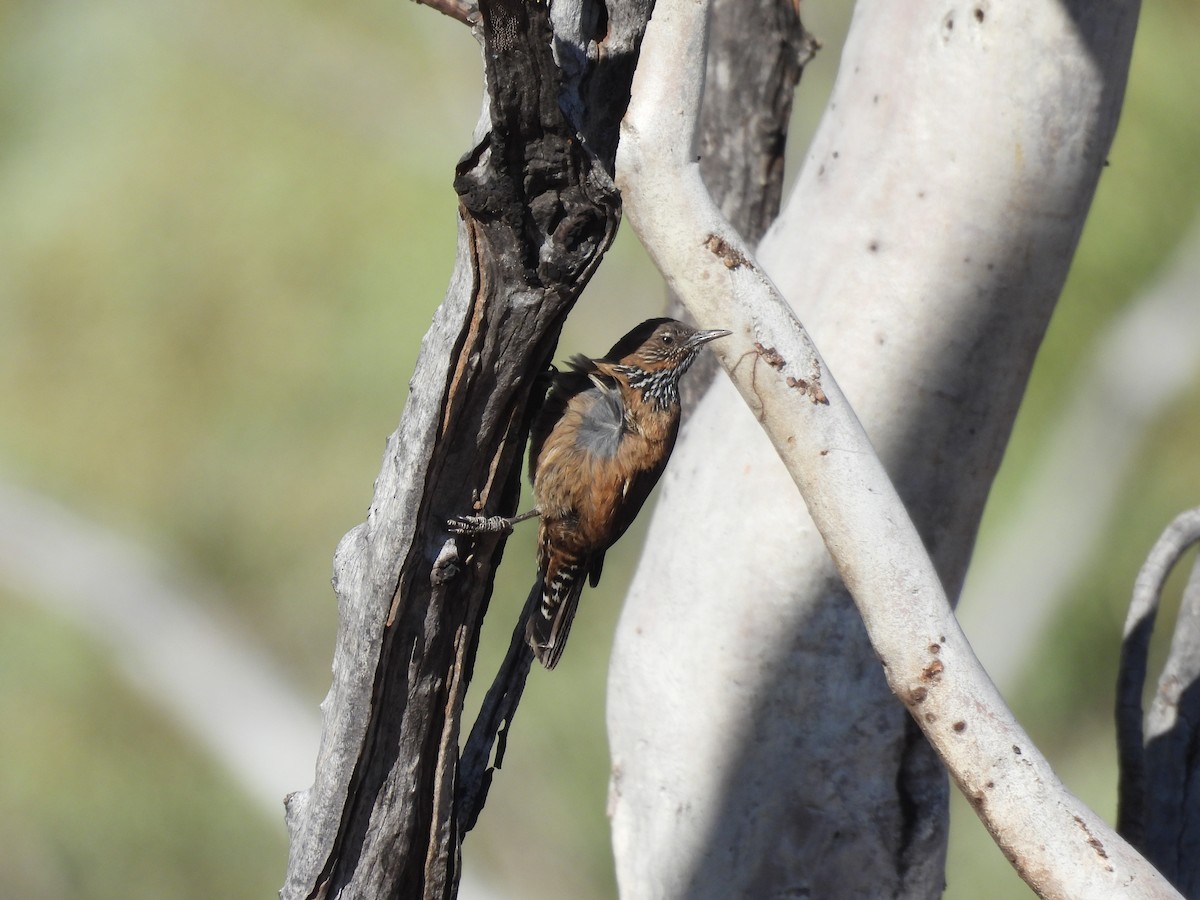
(1181, 534)
(462, 10)
(1059, 846)
(492, 724)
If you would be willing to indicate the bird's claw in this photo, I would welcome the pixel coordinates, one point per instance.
(470, 526)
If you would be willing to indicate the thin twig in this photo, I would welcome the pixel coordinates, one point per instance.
(492, 724)
(463, 11)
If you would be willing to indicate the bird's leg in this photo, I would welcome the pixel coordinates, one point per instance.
(471, 526)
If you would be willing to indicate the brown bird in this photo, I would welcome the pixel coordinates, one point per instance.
(597, 448)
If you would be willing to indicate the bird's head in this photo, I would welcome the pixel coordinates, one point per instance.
(655, 355)
(661, 345)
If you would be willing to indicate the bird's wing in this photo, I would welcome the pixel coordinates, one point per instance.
(607, 424)
(635, 490)
(602, 420)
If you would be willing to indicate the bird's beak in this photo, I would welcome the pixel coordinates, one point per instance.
(703, 337)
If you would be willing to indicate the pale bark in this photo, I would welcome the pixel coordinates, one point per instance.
(756, 748)
(1020, 580)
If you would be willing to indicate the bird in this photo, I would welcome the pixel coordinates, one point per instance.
(598, 445)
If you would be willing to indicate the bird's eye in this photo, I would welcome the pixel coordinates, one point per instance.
(668, 338)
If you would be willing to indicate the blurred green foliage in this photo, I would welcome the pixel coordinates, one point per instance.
(1148, 196)
(223, 231)
(100, 798)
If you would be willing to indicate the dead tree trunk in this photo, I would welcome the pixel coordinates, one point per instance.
(538, 210)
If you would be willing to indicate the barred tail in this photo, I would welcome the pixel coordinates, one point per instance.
(550, 619)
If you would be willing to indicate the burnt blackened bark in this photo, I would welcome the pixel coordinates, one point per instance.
(538, 210)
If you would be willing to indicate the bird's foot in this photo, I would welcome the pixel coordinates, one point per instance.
(475, 525)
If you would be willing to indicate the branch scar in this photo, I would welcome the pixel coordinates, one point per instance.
(811, 385)
(731, 256)
(770, 356)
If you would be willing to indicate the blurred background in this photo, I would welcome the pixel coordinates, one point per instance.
(224, 228)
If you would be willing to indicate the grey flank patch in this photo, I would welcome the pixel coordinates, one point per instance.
(600, 432)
